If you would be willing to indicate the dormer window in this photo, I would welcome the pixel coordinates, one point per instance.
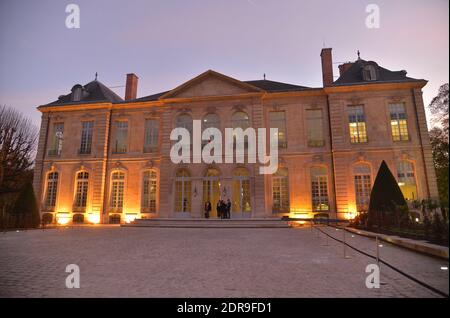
(77, 92)
(369, 73)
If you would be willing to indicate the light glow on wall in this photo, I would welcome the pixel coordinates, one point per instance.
(130, 217)
(94, 218)
(63, 218)
(352, 212)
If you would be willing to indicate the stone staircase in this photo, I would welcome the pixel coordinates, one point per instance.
(209, 223)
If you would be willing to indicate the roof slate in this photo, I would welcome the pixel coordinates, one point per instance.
(354, 75)
(96, 93)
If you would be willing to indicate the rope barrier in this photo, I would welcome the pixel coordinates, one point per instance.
(435, 290)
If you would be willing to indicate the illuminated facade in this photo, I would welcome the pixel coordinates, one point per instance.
(102, 159)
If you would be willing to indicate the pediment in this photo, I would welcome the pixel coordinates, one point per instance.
(210, 83)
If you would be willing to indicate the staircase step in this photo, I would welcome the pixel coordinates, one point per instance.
(209, 223)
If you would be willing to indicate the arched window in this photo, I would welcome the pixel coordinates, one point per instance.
(280, 191)
(52, 190)
(149, 191)
(82, 185)
(240, 119)
(241, 191)
(183, 191)
(78, 218)
(363, 186)
(407, 179)
(47, 218)
(319, 189)
(184, 121)
(210, 121)
(117, 190)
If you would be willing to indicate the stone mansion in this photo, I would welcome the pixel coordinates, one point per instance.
(104, 159)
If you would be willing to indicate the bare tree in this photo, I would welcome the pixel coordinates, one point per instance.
(440, 143)
(439, 108)
(18, 138)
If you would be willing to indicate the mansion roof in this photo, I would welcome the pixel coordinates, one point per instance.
(354, 75)
(93, 92)
(360, 72)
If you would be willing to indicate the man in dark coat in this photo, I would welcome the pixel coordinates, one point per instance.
(219, 209)
(228, 208)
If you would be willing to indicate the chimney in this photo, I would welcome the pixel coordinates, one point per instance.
(327, 66)
(344, 67)
(131, 86)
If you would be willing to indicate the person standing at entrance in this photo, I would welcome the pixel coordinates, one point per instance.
(219, 209)
(207, 209)
(228, 208)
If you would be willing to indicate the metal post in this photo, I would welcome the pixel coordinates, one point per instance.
(378, 250)
(345, 250)
(345, 245)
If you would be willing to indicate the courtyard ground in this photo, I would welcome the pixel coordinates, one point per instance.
(190, 262)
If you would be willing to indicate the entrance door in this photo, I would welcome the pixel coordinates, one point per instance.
(211, 190)
(241, 194)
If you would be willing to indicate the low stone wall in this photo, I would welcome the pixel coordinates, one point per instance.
(415, 245)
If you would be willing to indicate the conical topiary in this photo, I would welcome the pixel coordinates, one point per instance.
(385, 192)
(25, 209)
(386, 195)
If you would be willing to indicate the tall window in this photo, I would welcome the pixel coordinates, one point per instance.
(399, 124)
(210, 121)
(363, 187)
(185, 121)
(117, 190)
(314, 128)
(81, 190)
(407, 179)
(151, 140)
(240, 120)
(149, 191)
(280, 191)
(183, 191)
(241, 191)
(52, 190)
(278, 120)
(86, 137)
(357, 124)
(120, 144)
(57, 139)
(319, 189)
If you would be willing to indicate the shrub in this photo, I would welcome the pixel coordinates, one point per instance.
(25, 211)
(439, 228)
(387, 204)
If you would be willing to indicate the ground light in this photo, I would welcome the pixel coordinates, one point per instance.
(130, 217)
(94, 218)
(63, 218)
(444, 268)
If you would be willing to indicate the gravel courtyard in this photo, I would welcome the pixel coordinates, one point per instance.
(183, 262)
